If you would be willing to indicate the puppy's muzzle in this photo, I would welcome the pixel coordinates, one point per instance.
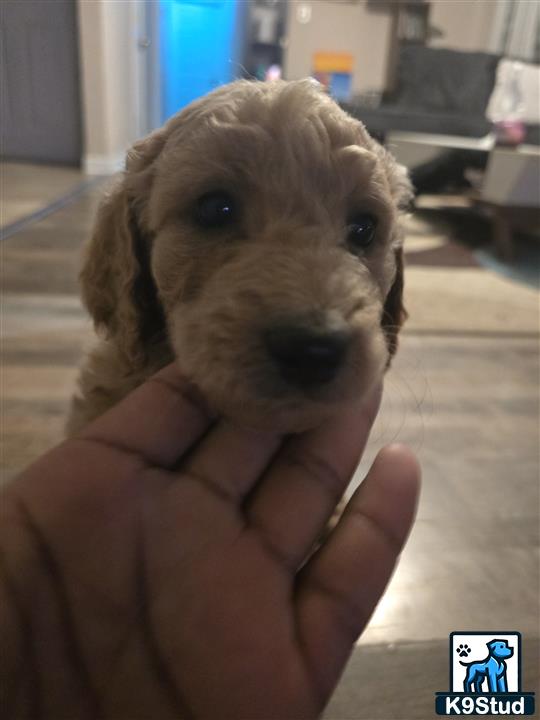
(306, 358)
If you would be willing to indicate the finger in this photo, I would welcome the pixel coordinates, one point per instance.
(306, 481)
(159, 420)
(341, 585)
(229, 459)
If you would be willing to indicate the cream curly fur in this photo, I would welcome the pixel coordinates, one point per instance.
(160, 288)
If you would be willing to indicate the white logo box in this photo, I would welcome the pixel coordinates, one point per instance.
(477, 642)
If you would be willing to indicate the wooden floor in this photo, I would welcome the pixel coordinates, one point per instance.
(463, 393)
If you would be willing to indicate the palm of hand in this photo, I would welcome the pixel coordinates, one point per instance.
(176, 573)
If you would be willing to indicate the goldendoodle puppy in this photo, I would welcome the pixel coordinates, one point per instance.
(255, 239)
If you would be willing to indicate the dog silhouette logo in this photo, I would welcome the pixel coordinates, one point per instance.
(491, 669)
(485, 676)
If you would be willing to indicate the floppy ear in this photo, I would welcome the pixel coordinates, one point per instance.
(394, 313)
(117, 285)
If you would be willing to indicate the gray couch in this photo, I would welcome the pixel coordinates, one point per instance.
(437, 91)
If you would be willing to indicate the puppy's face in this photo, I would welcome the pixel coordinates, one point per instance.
(271, 219)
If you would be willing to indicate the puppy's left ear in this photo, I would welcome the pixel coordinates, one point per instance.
(394, 313)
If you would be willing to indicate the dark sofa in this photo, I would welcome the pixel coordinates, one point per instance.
(437, 91)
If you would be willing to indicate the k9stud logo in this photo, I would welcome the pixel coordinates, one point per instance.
(485, 676)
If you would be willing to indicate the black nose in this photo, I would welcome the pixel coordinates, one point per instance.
(306, 358)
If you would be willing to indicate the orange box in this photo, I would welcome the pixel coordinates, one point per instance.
(332, 62)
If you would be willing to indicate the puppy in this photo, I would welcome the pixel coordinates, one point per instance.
(255, 240)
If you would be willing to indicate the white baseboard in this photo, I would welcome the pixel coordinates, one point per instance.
(102, 164)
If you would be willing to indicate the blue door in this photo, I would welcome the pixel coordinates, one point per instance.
(199, 43)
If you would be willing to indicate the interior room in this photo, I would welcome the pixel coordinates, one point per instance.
(452, 90)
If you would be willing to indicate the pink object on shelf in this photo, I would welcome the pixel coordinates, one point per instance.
(509, 132)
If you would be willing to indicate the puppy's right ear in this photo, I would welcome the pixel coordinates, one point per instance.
(117, 286)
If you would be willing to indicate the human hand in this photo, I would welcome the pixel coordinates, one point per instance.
(160, 564)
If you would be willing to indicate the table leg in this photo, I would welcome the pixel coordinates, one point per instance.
(502, 235)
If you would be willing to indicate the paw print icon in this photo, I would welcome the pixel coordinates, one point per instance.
(463, 650)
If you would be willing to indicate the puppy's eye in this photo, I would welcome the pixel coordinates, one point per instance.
(215, 210)
(361, 232)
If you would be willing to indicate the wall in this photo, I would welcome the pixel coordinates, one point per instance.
(340, 27)
(465, 24)
(109, 89)
(366, 33)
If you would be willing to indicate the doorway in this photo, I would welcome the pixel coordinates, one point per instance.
(41, 110)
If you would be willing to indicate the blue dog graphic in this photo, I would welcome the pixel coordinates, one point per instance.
(493, 668)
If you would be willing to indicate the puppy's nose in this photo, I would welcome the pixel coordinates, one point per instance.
(306, 358)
